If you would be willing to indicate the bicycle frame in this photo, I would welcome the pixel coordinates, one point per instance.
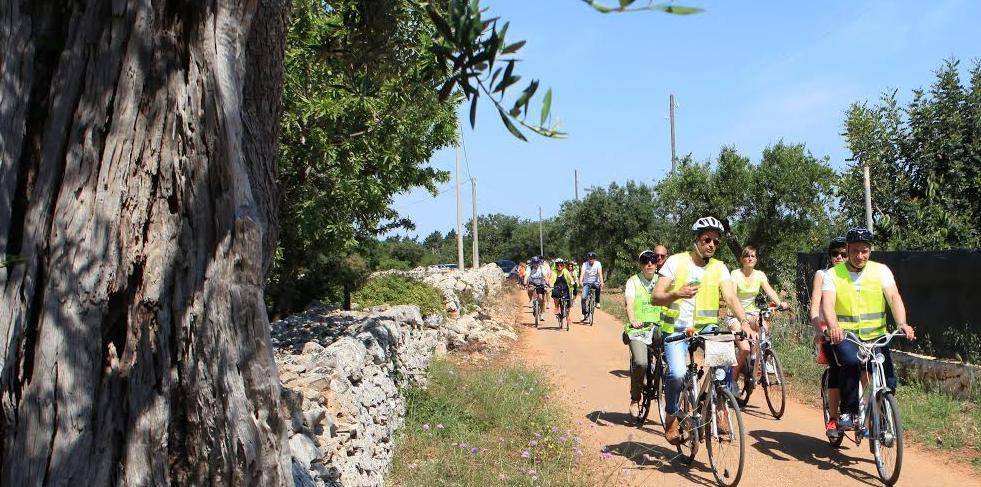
(868, 353)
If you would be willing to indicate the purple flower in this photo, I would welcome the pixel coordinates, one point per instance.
(555, 429)
(532, 443)
(562, 438)
(532, 471)
(538, 435)
(463, 445)
(526, 454)
(474, 450)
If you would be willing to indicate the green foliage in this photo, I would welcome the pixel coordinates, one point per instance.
(395, 290)
(503, 412)
(925, 164)
(780, 206)
(617, 223)
(361, 118)
(469, 46)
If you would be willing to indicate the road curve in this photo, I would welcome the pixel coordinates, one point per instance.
(588, 365)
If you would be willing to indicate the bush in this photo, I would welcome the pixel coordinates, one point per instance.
(394, 290)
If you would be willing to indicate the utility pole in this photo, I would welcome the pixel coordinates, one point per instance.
(577, 185)
(459, 212)
(541, 238)
(476, 240)
(868, 197)
(674, 157)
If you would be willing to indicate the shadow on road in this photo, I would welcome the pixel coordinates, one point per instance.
(660, 458)
(620, 373)
(613, 418)
(788, 446)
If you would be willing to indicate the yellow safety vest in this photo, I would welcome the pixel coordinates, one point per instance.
(747, 288)
(644, 311)
(706, 300)
(861, 309)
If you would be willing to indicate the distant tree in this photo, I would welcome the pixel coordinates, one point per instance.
(925, 164)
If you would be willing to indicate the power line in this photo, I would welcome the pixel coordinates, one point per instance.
(466, 159)
(446, 188)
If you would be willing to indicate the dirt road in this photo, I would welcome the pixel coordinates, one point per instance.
(589, 367)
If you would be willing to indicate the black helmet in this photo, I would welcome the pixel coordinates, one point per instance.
(859, 234)
(836, 242)
(590, 255)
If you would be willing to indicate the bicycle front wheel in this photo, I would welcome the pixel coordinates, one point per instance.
(592, 307)
(536, 309)
(773, 384)
(651, 385)
(826, 403)
(724, 437)
(887, 438)
(688, 424)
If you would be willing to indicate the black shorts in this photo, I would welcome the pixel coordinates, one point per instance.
(539, 288)
(560, 292)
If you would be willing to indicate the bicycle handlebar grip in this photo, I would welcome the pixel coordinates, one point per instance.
(675, 338)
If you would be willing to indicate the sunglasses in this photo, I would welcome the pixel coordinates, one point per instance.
(648, 259)
(840, 253)
(706, 240)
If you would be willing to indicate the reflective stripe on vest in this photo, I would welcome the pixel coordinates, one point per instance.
(861, 310)
(706, 300)
(644, 311)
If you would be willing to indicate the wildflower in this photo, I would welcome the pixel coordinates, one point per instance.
(578, 452)
(555, 429)
(439, 426)
(474, 450)
(532, 471)
(532, 443)
(563, 438)
(425, 426)
(463, 445)
(606, 455)
(526, 454)
(538, 435)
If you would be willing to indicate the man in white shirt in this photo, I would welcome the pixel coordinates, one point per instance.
(690, 285)
(590, 280)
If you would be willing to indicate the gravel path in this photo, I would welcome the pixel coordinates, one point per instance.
(589, 367)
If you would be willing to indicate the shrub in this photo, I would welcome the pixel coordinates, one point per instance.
(393, 289)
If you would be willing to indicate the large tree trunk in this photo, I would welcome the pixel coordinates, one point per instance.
(138, 144)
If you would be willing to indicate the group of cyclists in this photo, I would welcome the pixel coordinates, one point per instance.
(684, 293)
(565, 278)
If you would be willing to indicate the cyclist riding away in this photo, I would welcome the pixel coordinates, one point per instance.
(854, 296)
(590, 280)
(561, 288)
(535, 279)
(689, 286)
(836, 255)
(642, 316)
(748, 282)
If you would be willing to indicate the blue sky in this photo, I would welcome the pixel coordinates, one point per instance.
(745, 73)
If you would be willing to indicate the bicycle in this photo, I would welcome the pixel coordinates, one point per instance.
(564, 304)
(767, 371)
(653, 389)
(878, 412)
(590, 303)
(536, 303)
(701, 409)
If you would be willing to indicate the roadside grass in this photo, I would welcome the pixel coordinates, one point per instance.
(933, 419)
(485, 425)
(612, 303)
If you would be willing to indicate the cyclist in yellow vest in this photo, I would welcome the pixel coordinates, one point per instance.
(642, 318)
(689, 286)
(854, 296)
(749, 282)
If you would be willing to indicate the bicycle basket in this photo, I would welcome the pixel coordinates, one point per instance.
(719, 353)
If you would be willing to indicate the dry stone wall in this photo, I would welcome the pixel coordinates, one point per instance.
(343, 372)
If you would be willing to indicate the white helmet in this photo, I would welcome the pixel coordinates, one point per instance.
(707, 223)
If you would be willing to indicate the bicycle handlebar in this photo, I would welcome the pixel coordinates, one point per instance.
(691, 334)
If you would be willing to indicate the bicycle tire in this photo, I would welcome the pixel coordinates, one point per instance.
(660, 391)
(745, 385)
(565, 313)
(725, 475)
(689, 426)
(592, 307)
(769, 385)
(652, 383)
(824, 409)
(887, 413)
(536, 310)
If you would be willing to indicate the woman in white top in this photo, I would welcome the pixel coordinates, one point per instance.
(748, 282)
(837, 254)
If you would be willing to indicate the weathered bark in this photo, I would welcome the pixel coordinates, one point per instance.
(137, 152)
